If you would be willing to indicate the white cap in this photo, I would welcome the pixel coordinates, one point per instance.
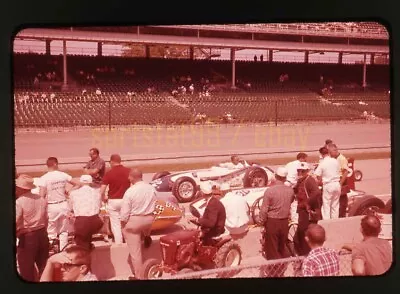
(206, 188)
(303, 166)
(86, 179)
(281, 171)
(225, 187)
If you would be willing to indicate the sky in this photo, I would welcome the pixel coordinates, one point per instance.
(90, 48)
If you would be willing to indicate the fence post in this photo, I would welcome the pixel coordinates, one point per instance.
(276, 113)
(109, 113)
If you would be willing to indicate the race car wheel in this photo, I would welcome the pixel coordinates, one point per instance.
(151, 269)
(255, 177)
(365, 205)
(160, 175)
(358, 175)
(184, 189)
(255, 211)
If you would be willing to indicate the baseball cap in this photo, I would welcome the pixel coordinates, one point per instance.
(303, 166)
(86, 179)
(206, 188)
(281, 171)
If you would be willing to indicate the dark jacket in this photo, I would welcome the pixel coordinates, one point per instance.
(312, 202)
(213, 220)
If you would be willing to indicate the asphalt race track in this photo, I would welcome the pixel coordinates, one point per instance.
(205, 140)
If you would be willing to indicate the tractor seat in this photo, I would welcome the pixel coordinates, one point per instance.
(222, 239)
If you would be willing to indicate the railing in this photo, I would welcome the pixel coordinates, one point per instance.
(283, 268)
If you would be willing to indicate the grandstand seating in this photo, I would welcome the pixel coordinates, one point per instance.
(266, 98)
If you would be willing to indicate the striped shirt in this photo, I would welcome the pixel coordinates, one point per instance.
(89, 277)
(139, 199)
(321, 262)
(276, 202)
(31, 213)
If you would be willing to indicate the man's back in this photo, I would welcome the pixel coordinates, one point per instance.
(292, 171)
(55, 182)
(321, 262)
(376, 253)
(329, 170)
(117, 181)
(276, 202)
(31, 212)
(235, 210)
(214, 216)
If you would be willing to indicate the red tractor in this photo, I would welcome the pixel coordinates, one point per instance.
(183, 252)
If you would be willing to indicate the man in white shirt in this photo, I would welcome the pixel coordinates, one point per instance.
(328, 172)
(237, 212)
(52, 188)
(137, 216)
(291, 181)
(85, 203)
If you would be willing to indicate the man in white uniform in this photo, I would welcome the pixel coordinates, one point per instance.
(237, 211)
(52, 188)
(291, 181)
(328, 171)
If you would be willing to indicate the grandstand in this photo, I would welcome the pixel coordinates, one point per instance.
(144, 91)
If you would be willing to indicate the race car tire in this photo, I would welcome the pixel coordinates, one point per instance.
(365, 204)
(151, 269)
(358, 175)
(160, 175)
(255, 210)
(176, 189)
(252, 174)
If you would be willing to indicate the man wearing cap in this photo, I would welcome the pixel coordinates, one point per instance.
(117, 180)
(213, 220)
(274, 215)
(327, 172)
(344, 171)
(95, 167)
(85, 203)
(52, 187)
(309, 204)
(137, 216)
(31, 229)
(237, 211)
(291, 181)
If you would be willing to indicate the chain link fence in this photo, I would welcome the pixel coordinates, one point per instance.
(282, 268)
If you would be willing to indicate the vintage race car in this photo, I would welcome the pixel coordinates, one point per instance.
(168, 212)
(359, 202)
(185, 185)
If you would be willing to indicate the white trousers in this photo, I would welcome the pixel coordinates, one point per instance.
(59, 225)
(330, 200)
(114, 208)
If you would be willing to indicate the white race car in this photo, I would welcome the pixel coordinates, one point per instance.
(185, 185)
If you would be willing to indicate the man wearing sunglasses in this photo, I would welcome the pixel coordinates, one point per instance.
(74, 263)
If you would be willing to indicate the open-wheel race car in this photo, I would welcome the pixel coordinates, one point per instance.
(184, 251)
(185, 185)
(359, 202)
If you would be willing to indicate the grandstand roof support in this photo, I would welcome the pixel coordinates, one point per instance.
(48, 47)
(365, 71)
(340, 58)
(306, 56)
(270, 55)
(65, 63)
(233, 68)
(99, 48)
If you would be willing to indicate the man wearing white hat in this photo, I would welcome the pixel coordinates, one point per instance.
(213, 220)
(274, 215)
(85, 203)
(237, 211)
(31, 229)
